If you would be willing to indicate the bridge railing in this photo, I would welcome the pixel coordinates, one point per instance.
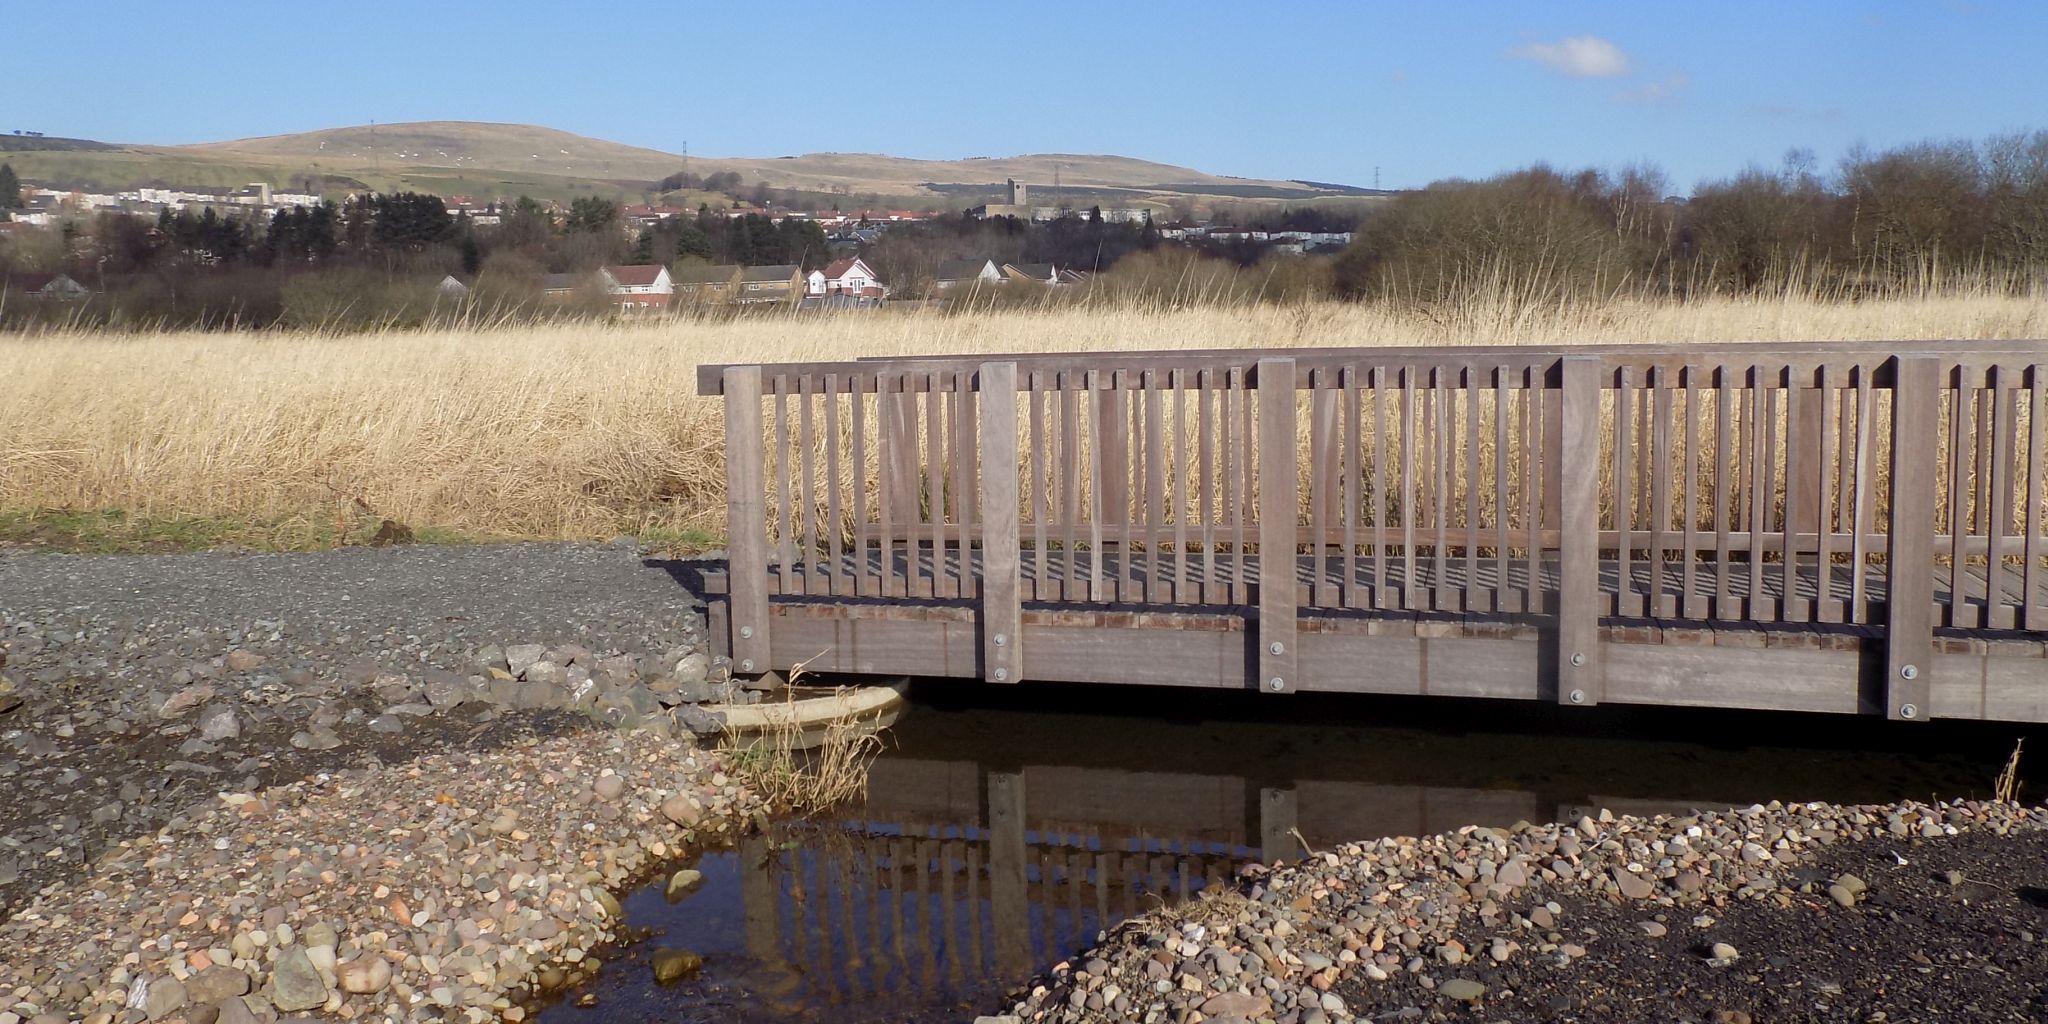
(1891, 489)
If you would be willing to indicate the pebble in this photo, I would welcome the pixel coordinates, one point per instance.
(1461, 989)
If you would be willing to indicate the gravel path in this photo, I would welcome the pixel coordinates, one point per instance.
(133, 686)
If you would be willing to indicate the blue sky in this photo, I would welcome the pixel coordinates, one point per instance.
(1324, 91)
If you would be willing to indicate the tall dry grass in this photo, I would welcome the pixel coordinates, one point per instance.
(590, 430)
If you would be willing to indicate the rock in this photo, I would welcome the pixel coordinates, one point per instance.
(680, 883)
(1689, 882)
(363, 975)
(446, 690)
(546, 673)
(1541, 917)
(1462, 989)
(609, 787)
(675, 965)
(239, 660)
(215, 984)
(1855, 885)
(218, 723)
(1653, 929)
(185, 700)
(682, 809)
(233, 1011)
(700, 721)
(1632, 885)
(1007, 1018)
(1732, 1017)
(166, 997)
(1724, 952)
(520, 657)
(296, 984)
(694, 667)
(316, 738)
(386, 723)
(694, 691)
(1842, 894)
(1236, 1004)
(1512, 874)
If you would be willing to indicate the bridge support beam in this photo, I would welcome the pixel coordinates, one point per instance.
(1909, 614)
(1279, 509)
(1008, 886)
(1579, 669)
(746, 520)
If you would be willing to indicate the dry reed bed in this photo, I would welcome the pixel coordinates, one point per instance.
(588, 430)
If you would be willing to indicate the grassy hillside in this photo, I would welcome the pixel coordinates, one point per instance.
(486, 159)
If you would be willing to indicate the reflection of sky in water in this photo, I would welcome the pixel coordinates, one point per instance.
(997, 842)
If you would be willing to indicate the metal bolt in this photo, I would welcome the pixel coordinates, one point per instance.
(1909, 672)
(1578, 659)
(747, 665)
(1909, 711)
(746, 632)
(1578, 696)
(1001, 639)
(1276, 684)
(1000, 674)
(1277, 647)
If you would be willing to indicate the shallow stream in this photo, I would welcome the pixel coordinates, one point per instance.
(1004, 829)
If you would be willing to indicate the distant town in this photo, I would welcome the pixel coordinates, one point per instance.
(634, 259)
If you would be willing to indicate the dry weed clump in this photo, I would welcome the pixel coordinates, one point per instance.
(590, 430)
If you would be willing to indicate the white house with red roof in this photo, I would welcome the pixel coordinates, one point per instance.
(851, 276)
(643, 286)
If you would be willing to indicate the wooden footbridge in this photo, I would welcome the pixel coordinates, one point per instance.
(1854, 528)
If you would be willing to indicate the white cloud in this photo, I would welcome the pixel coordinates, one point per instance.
(1577, 56)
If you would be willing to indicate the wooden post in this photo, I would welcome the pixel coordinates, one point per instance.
(746, 521)
(1278, 817)
(1278, 508)
(1002, 616)
(1909, 558)
(1806, 427)
(1578, 603)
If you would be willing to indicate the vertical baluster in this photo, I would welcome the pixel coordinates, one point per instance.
(1798, 479)
(1624, 493)
(1129, 423)
(1041, 481)
(1322, 444)
(936, 585)
(1380, 505)
(1205, 427)
(1503, 499)
(785, 539)
(1410, 468)
(1071, 463)
(1471, 591)
(1156, 453)
(856, 399)
(1725, 479)
(1533, 496)
(1099, 432)
(1825, 607)
(1959, 492)
(1442, 450)
(808, 526)
(888, 497)
(1347, 378)
(835, 509)
(1693, 602)
(1247, 464)
(2001, 444)
(1177, 489)
(1231, 444)
(2034, 615)
(967, 473)
(1759, 484)
(1658, 409)
(1859, 545)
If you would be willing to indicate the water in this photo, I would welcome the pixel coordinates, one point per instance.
(999, 837)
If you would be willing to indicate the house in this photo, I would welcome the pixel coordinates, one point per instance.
(1032, 273)
(850, 276)
(639, 287)
(971, 273)
(42, 286)
(780, 283)
(705, 285)
(561, 286)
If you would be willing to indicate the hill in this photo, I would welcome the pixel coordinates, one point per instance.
(490, 159)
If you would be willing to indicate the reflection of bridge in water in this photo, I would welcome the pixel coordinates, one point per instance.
(953, 875)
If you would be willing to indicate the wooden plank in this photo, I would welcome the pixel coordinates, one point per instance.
(1380, 505)
(1657, 406)
(936, 583)
(1441, 450)
(784, 529)
(2032, 514)
(1071, 464)
(966, 454)
(1178, 590)
(1041, 471)
(1503, 499)
(1859, 524)
(1625, 603)
(1098, 460)
(1154, 452)
(835, 525)
(1408, 468)
(1002, 616)
(1205, 431)
(1321, 478)
(1909, 625)
(1693, 603)
(1959, 492)
(2000, 445)
(864, 580)
(1278, 505)
(746, 520)
(1347, 379)
(1579, 655)
(1800, 429)
(808, 528)
(1472, 596)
